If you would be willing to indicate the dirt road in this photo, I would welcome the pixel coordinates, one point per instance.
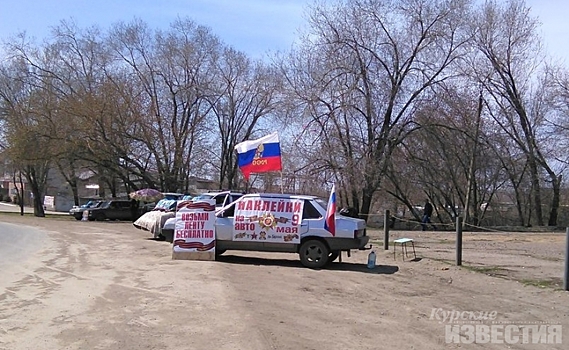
(105, 285)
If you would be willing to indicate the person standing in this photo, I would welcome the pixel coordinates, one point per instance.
(134, 209)
(427, 213)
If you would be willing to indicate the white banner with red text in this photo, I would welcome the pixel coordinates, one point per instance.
(195, 226)
(274, 220)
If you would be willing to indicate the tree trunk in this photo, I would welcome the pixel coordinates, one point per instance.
(75, 192)
(37, 184)
(556, 186)
(536, 189)
(366, 204)
(38, 206)
(519, 207)
(20, 191)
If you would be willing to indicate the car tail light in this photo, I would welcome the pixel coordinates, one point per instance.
(359, 233)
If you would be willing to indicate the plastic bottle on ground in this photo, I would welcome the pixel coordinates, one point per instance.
(371, 260)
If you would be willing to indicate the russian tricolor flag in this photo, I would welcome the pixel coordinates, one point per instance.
(259, 156)
(330, 222)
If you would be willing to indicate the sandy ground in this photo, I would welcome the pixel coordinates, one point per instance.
(106, 285)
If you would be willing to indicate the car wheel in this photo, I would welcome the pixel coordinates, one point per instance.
(333, 256)
(314, 254)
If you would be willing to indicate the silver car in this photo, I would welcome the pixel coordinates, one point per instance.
(77, 211)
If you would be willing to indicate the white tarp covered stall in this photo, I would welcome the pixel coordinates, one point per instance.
(154, 220)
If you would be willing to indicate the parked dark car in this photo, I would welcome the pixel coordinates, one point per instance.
(115, 209)
(77, 211)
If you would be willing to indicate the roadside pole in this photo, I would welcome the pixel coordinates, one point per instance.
(566, 277)
(386, 230)
(458, 241)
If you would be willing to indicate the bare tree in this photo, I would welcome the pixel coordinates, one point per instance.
(26, 102)
(515, 167)
(244, 92)
(360, 74)
(558, 79)
(173, 71)
(506, 37)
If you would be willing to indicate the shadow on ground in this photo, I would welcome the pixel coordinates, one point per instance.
(336, 266)
(416, 259)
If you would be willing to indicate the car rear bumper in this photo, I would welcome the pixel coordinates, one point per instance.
(347, 243)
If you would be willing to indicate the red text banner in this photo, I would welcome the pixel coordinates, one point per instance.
(195, 226)
(271, 220)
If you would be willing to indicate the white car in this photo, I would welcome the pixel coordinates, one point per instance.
(317, 246)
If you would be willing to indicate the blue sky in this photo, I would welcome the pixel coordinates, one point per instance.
(554, 25)
(252, 26)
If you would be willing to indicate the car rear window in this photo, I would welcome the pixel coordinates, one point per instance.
(219, 200)
(310, 212)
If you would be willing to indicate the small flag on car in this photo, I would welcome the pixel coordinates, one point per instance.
(330, 222)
